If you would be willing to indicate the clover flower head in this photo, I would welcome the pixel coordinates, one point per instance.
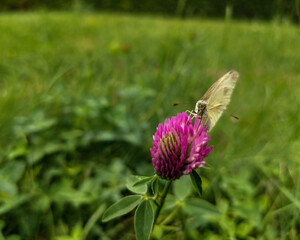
(179, 146)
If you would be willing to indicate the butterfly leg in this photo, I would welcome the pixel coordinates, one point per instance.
(192, 114)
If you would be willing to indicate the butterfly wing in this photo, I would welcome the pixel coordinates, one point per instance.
(218, 96)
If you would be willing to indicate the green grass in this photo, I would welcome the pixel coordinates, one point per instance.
(81, 96)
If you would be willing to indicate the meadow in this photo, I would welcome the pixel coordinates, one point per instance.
(81, 95)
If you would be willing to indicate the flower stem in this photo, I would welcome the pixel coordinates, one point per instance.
(162, 201)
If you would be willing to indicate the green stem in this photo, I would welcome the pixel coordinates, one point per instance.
(162, 201)
(171, 216)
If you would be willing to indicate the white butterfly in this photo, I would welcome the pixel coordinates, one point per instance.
(213, 103)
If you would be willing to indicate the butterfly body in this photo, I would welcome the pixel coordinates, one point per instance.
(201, 112)
(214, 102)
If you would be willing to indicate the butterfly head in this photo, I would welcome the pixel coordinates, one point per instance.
(200, 106)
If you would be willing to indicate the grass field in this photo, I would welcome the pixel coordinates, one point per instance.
(82, 94)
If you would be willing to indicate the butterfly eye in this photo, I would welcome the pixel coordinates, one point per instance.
(199, 105)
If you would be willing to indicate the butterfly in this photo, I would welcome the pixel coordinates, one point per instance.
(214, 102)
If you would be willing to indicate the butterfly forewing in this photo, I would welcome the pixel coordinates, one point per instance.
(218, 96)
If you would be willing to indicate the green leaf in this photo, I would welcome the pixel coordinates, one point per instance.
(10, 203)
(142, 189)
(64, 192)
(199, 207)
(158, 232)
(155, 186)
(171, 202)
(12, 171)
(143, 220)
(144, 181)
(123, 206)
(197, 182)
(7, 189)
(92, 221)
(182, 187)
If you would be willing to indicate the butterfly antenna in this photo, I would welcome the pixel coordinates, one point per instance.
(175, 104)
(235, 117)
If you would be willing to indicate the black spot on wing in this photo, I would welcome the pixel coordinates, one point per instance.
(225, 90)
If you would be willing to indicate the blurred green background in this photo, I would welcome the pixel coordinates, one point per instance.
(84, 84)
